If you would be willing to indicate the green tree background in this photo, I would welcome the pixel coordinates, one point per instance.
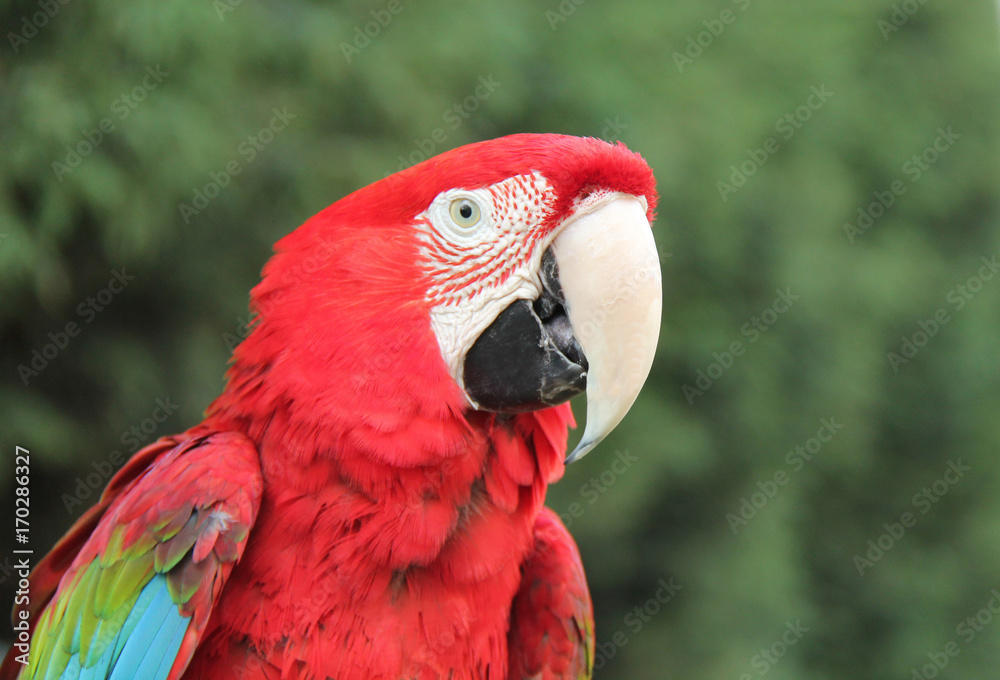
(765, 541)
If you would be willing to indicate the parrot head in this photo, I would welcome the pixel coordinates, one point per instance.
(503, 276)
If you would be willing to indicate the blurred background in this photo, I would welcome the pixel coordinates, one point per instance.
(809, 485)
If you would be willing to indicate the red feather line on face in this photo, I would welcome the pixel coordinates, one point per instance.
(463, 273)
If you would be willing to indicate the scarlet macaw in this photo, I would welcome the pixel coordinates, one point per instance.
(364, 499)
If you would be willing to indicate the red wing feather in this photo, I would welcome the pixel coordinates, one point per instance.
(552, 618)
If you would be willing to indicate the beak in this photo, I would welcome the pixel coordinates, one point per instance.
(609, 271)
(593, 327)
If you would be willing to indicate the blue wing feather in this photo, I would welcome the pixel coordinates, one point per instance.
(147, 644)
(180, 628)
(153, 638)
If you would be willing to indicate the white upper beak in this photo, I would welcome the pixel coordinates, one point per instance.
(609, 270)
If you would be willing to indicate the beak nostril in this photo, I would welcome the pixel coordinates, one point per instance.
(550, 308)
(551, 301)
(549, 275)
(547, 306)
(560, 332)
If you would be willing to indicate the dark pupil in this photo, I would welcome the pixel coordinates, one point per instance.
(465, 211)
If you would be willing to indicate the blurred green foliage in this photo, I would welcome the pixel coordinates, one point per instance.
(697, 88)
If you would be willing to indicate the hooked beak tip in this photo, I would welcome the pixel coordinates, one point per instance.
(582, 449)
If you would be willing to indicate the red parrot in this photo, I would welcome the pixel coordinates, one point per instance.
(364, 500)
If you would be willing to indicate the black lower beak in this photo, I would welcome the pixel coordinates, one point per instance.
(528, 358)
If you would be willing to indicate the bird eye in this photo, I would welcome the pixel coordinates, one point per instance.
(465, 212)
